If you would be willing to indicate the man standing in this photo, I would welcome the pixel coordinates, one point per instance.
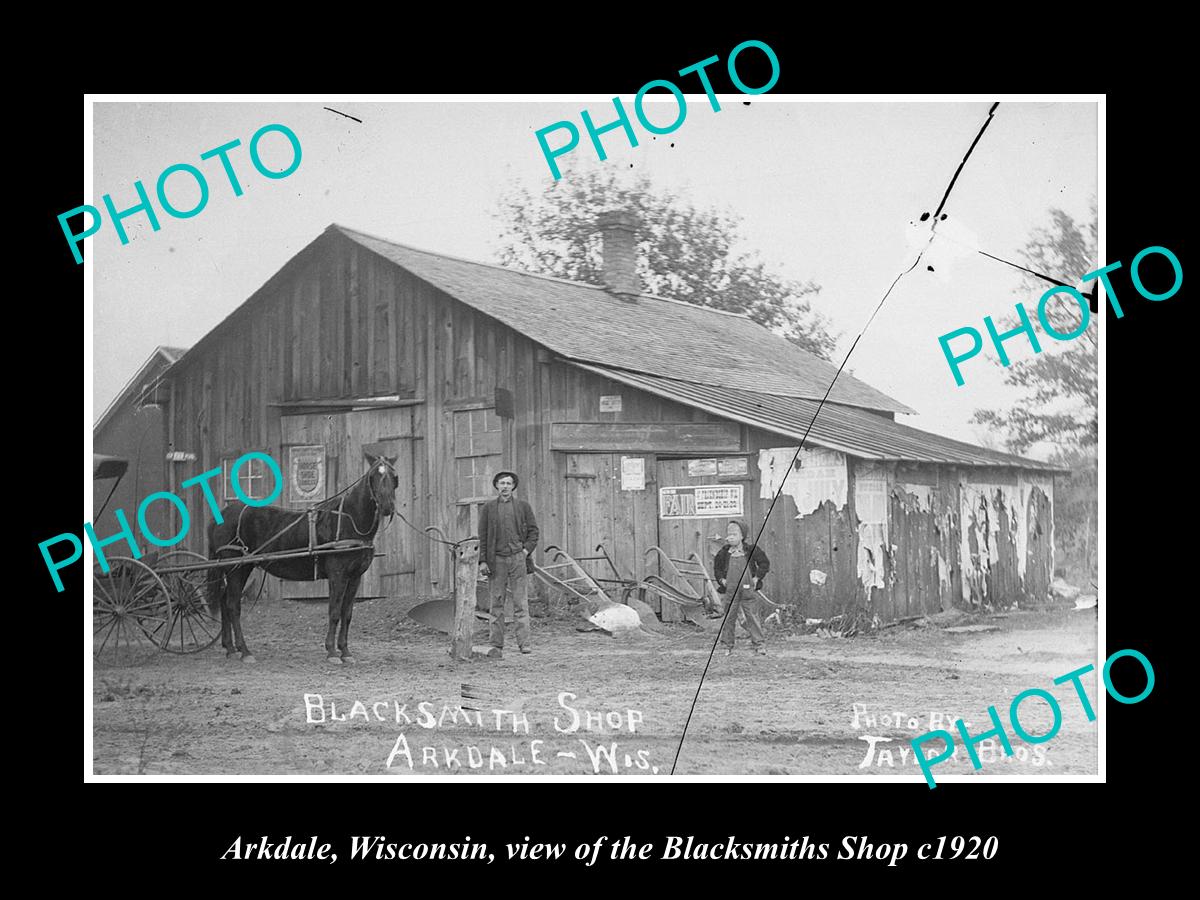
(508, 535)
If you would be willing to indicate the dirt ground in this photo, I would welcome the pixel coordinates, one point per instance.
(807, 708)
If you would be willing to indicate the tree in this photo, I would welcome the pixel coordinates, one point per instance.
(684, 252)
(1060, 406)
(1061, 396)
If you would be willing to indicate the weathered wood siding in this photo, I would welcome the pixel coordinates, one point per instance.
(339, 322)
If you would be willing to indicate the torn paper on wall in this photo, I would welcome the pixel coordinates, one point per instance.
(817, 577)
(980, 530)
(871, 507)
(822, 476)
(1026, 482)
(984, 507)
(943, 570)
(923, 494)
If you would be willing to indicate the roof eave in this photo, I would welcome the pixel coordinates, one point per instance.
(123, 395)
(1004, 460)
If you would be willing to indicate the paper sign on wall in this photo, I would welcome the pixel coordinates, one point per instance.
(734, 465)
(709, 501)
(306, 473)
(633, 473)
(610, 403)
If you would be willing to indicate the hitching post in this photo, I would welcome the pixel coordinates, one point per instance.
(466, 572)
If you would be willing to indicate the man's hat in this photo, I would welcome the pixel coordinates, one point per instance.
(513, 475)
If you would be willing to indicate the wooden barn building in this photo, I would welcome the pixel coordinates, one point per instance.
(633, 421)
(133, 428)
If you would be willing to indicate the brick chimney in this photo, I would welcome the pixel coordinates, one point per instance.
(618, 230)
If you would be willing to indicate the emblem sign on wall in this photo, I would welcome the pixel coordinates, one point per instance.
(306, 473)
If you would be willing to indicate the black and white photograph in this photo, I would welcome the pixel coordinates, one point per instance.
(698, 435)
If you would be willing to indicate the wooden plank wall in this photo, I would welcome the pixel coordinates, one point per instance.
(824, 539)
(340, 322)
(1000, 512)
(1039, 557)
(624, 522)
(326, 327)
(924, 573)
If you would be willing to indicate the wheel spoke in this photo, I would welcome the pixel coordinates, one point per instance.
(147, 588)
(202, 620)
(154, 604)
(192, 630)
(152, 633)
(186, 598)
(172, 622)
(120, 634)
(102, 584)
(111, 627)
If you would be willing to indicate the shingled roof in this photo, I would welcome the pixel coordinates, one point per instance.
(655, 335)
(855, 431)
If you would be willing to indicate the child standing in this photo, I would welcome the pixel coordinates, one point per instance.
(727, 567)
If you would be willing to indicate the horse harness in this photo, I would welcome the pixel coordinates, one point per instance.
(311, 514)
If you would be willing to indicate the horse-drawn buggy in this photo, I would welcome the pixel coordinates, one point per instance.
(181, 601)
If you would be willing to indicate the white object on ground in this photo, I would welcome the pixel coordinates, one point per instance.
(616, 617)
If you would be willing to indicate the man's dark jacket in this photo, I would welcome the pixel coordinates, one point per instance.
(489, 530)
(759, 564)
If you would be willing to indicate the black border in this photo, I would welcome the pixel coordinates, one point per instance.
(1148, 581)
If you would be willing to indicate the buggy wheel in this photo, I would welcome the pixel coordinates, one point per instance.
(124, 600)
(187, 626)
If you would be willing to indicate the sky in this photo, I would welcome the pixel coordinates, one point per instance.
(826, 192)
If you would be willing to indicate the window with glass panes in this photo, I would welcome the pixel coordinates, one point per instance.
(477, 439)
(254, 478)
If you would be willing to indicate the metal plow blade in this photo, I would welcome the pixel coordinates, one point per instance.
(439, 614)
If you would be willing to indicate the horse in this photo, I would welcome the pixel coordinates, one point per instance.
(351, 514)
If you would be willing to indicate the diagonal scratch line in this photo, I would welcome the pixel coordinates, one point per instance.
(812, 421)
(1091, 295)
(766, 518)
(966, 156)
(332, 110)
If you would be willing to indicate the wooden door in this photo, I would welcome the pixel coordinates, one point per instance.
(690, 522)
(386, 432)
(309, 431)
(599, 511)
(345, 436)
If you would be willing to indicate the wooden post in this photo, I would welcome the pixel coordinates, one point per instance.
(466, 571)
